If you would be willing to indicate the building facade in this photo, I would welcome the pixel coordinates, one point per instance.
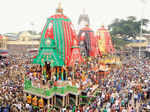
(23, 43)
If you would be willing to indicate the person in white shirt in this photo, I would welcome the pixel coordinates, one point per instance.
(19, 106)
(124, 110)
(27, 106)
(63, 110)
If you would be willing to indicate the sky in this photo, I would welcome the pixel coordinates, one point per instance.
(18, 15)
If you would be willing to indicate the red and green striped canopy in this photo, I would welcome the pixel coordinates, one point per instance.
(59, 29)
(86, 34)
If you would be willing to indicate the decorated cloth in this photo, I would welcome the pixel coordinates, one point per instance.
(86, 35)
(60, 31)
(75, 54)
(104, 41)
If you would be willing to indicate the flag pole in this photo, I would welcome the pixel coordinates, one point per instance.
(143, 2)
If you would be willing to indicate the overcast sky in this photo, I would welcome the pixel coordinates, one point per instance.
(17, 15)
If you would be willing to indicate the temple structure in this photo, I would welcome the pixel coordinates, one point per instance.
(87, 40)
(57, 48)
(3, 46)
(83, 20)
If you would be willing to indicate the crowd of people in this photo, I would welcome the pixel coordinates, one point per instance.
(124, 90)
(11, 84)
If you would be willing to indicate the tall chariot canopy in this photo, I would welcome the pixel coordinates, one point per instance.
(104, 41)
(56, 40)
(88, 41)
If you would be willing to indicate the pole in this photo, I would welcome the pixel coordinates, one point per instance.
(141, 34)
(141, 31)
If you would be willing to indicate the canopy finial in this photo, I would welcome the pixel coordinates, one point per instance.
(59, 9)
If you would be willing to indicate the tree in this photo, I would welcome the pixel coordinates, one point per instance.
(119, 42)
(129, 27)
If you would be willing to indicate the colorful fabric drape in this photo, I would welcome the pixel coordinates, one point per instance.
(104, 41)
(63, 33)
(57, 73)
(75, 55)
(86, 35)
(62, 73)
(60, 30)
(101, 43)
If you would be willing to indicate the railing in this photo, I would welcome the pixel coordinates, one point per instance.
(27, 83)
(51, 91)
(61, 90)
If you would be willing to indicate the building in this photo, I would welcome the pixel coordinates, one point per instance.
(83, 20)
(22, 42)
(3, 46)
